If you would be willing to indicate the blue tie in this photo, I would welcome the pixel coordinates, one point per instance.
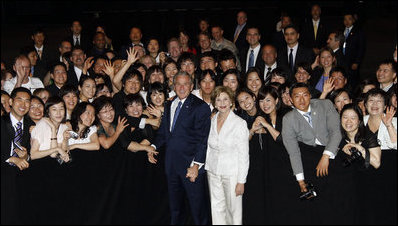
(251, 59)
(308, 116)
(346, 33)
(17, 140)
(177, 112)
(291, 64)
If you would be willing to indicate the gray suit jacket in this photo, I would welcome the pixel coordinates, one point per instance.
(326, 123)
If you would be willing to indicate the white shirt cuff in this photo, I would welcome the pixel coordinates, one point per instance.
(142, 123)
(331, 155)
(153, 146)
(300, 176)
(200, 164)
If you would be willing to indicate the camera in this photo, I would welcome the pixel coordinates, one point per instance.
(310, 193)
(355, 155)
(73, 135)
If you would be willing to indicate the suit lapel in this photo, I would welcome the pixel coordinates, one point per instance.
(185, 109)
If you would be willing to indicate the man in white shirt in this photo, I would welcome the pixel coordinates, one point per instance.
(78, 58)
(269, 56)
(386, 75)
(22, 69)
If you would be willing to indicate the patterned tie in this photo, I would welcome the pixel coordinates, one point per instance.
(39, 52)
(315, 30)
(77, 42)
(291, 63)
(17, 140)
(237, 34)
(308, 116)
(346, 33)
(268, 76)
(251, 59)
(177, 112)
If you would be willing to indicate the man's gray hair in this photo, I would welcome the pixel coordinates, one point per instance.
(182, 73)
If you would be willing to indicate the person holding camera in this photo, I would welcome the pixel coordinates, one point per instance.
(360, 152)
(311, 136)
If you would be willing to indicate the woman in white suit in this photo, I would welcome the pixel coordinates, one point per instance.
(227, 160)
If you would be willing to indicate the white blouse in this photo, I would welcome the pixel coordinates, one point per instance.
(382, 135)
(93, 129)
(196, 92)
(42, 133)
(228, 151)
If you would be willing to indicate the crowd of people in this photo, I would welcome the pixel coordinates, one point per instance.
(224, 132)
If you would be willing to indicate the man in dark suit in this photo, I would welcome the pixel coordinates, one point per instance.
(311, 135)
(335, 42)
(239, 38)
(293, 52)
(77, 39)
(75, 71)
(251, 56)
(45, 58)
(184, 132)
(268, 62)
(59, 76)
(353, 48)
(314, 31)
(14, 137)
(278, 38)
(135, 38)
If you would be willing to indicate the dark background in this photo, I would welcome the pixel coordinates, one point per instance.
(162, 19)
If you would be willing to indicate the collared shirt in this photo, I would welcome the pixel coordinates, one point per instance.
(173, 108)
(294, 52)
(41, 48)
(300, 176)
(349, 30)
(316, 23)
(387, 87)
(78, 72)
(75, 37)
(335, 50)
(239, 28)
(33, 84)
(256, 50)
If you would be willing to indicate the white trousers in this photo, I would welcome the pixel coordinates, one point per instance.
(226, 207)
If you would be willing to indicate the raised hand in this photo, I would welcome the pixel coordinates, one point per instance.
(387, 118)
(154, 111)
(87, 64)
(109, 68)
(328, 85)
(121, 124)
(132, 55)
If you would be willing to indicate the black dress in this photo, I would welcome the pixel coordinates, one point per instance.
(281, 186)
(377, 188)
(253, 203)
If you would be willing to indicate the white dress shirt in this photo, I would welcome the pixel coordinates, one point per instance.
(33, 84)
(266, 70)
(294, 52)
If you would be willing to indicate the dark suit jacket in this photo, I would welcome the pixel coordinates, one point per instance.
(44, 63)
(241, 43)
(243, 59)
(340, 59)
(188, 141)
(355, 46)
(278, 40)
(72, 77)
(307, 37)
(303, 54)
(53, 89)
(9, 174)
(85, 42)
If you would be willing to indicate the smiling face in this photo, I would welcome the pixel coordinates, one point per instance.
(223, 103)
(153, 46)
(268, 104)
(70, 100)
(253, 82)
(134, 110)
(246, 101)
(20, 105)
(158, 98)
(171, 70)
(156, 76)
(385, 74)
(183, 86)
(341, 100)
(106, 114)
(87, 90)
(350, 120)
(56, 112)
(88, 116)
(231, 81)
(375, 105)
(36, 111)
(302, 75)
(326, 59)
(59, 76)
(132, 85)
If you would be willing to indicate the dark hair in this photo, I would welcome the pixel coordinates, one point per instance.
(131, 73)
(306, 66)
(38, 30)
(100, 87)
(298, 85)
(226, 54)
(34, 97)
(39, 90)
(205, 34)
(203, 74)
(185, 56)
(75, 118)
(66, 89)
(27, 49)
(338, 69)
(268, 90)
(77, 48)
(376, 92)
(391, 94)
(153, 69)
(240, 91)
(156, 87)
(333, 95)
(363, 83)
(99, 103)
(208, 54)
(62, 41)
(339, 36)
(361, 134)
(83, 79)
(389, 62)
(255, 70)
(51, 102)
(18, 90)
(57, 64)
(133, 98)
(4, 93)
(280, 72)
(293, 27)
(234, 72)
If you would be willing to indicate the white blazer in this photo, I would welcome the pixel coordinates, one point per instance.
(228, 152)
(382, 136)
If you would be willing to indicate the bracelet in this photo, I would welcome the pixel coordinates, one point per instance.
(54, 138)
